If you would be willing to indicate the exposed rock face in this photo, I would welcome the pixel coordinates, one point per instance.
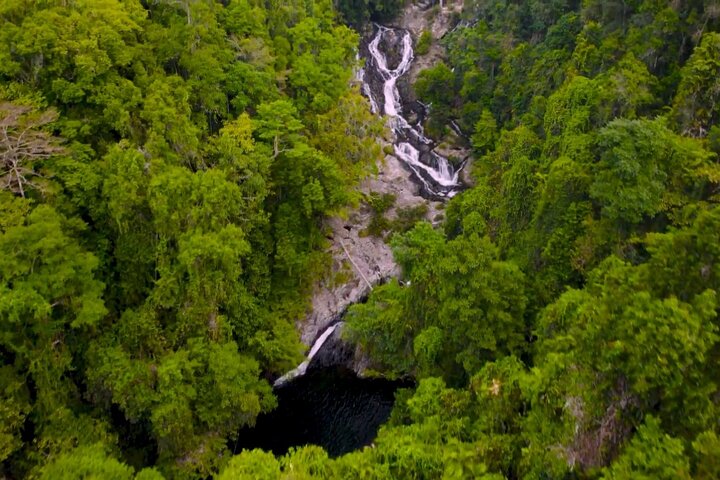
(371, 259)
(417, 19)
(360, 261)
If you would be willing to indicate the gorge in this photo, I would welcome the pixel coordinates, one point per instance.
(326, 400)
(200, 196)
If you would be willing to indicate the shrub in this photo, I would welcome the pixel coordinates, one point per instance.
(423, 43)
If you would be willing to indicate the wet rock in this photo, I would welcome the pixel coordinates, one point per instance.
(391, 45)
(336, 351)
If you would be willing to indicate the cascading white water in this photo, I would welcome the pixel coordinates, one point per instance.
(359, 76)
(321, 340)
(390, 91)
(439, 179)
(302, 368)
(442, 175)
(373, 104)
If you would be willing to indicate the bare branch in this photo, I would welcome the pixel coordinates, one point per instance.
(23, 142)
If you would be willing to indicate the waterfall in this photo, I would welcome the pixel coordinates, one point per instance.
(302, 368)
(456, 128)
(321, 340)
(390, 91)
(436, 175)
(373, 104)
(442, 175)
(431, 170)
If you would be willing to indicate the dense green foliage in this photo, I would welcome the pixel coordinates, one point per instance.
(423, 44)
(565, 322)
(167, 167)
(166, 170)
(358, 12)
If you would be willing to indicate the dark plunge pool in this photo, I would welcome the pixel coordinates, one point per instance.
(328, 406)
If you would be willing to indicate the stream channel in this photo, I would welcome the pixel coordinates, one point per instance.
(326, 404)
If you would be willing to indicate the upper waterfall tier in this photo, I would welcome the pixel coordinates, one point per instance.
(379, 83)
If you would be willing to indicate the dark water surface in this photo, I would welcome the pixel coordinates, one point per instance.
(330, 407)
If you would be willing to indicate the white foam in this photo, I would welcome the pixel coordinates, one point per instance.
(302, 368)
(443, 173)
